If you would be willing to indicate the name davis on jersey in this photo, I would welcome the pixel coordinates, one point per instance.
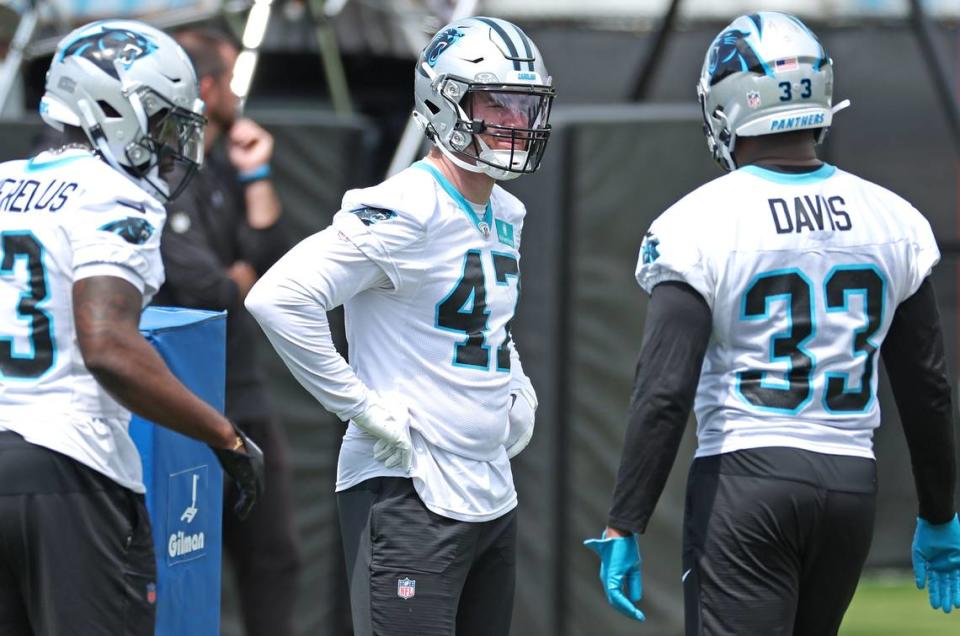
(817, 213)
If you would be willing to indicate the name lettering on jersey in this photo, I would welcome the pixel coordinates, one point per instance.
(370, 216)
(811, 214)
(30, 195)
(803, 121)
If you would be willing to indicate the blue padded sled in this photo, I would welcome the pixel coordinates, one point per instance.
(183, 478)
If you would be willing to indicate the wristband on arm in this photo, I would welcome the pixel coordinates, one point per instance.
(252, 176)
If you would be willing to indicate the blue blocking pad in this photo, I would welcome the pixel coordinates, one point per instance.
(183, 478)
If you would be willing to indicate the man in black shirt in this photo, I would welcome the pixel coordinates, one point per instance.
(222, 233)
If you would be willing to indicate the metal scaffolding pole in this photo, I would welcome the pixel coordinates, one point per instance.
(323, 11)
(13, 63)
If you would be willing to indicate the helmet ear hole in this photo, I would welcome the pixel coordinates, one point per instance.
(108, 109)
(433, 107)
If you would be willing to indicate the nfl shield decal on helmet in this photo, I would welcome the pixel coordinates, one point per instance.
(753, 99)
(406, 588)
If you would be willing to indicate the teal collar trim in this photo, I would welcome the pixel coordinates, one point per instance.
(33, 165)
(480, 224)
(791, 178)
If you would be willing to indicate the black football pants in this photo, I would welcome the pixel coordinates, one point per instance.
(412, 572)
(774, 541)
(76, 551)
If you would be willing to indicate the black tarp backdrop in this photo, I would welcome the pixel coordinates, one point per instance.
(609, 171)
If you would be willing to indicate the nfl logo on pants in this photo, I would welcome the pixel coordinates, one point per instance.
(406, 588)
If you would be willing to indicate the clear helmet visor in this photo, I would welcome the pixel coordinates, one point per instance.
(173, 145)
(180, 132)
(508, 125)
(510, 110)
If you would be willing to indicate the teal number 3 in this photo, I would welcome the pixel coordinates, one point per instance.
(796, 290)
(25, 246)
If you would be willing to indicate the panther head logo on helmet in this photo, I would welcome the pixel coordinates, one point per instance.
(109, 46)
(731, 53)
(440, 43)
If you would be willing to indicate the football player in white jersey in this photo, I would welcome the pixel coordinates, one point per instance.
(773, 289)
(79, 259)
(426, 265)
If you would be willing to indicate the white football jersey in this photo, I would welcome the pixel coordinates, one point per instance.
(64, 217)
(438, 340)
(802, 273)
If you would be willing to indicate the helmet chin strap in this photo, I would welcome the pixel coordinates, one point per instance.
(157, 184)
(469, 167)
(151, 182)
(497, 174)
(493, 156)
(838, 107)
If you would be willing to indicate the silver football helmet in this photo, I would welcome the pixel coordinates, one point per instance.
(483, 95)
(764, 74)
(133, 91)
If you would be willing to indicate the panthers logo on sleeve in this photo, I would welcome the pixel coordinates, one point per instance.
(130, 229)
(370, 216)
(731, 53)
(648, 249)
(109, 46)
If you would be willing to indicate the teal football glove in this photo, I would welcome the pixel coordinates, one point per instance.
(619, 566)
(936, 562)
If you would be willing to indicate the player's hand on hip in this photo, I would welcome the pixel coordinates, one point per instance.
(390, 427)
(249, 146)
(936, 562)
(619, 572)
(523, 411)
(244, 464)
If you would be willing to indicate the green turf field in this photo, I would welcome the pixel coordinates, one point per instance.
(891, 605)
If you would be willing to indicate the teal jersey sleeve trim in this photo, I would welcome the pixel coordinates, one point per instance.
(790, 178)
(487, 219)
(35, 166)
